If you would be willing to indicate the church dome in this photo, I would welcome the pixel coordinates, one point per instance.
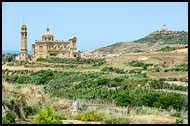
(47, 36)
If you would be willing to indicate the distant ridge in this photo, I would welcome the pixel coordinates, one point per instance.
(152, 42)
(14, 51)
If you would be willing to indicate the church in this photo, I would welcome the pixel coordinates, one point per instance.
(48, 47)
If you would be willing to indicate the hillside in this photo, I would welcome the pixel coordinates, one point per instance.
(153, 42)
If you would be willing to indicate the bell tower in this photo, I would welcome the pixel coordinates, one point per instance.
(24, 52)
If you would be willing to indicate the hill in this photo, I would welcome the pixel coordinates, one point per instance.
(155, 41)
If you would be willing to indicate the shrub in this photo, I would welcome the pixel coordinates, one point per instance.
(175, 100)
(123, 99)
(89, 116)
(162, 79)
(44, 115)
(149, 98)
(60, 116)
(11, 79)
(181, 67)
(136, 63)
(10, 117)
(158, 84)
(76, 60)
(179, 121)
(41, 59)
(28, 110)
(5, 121)
(167, 48)
(51, 122)
(177, 114)
(116, 120)
(52, 53)
(23, 79)
(183, 80)
(103, 81)
(111, 69)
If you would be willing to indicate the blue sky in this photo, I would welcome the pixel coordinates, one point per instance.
(96, 24)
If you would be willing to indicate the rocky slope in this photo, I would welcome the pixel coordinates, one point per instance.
(153, 42)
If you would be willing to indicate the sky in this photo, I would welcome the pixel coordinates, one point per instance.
(95, 24)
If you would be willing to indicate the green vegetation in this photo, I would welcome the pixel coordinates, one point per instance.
(96, 116)
(178, 39)
(162, 85)
(45, 116)
(111, 69)
(167, 48)
(180, 67)
(41, 59)
(10, 118)
(136, 63)
(115, 45)
(77, 60)
(17, 63)
(130, 89)
(8, 57)
(95, 86)
(174, 100)
(52, 53)
(28, 110)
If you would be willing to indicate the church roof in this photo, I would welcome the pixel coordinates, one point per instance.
(47, 34)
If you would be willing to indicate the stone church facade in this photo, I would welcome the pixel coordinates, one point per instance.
(48, 47)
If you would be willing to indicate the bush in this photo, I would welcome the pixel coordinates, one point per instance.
(136, 63)
(41, 59)
(44, 115)
(149, 98)
(111, 69)
(10, 117)
(179, 121)
(158, 84)
(181, 67)
(28, 110)
(89, 116)
(175, 100)
(77, 60)
(123, 99)
(5, 121)
(23, 79)
(11, 79)
(167, 48)
(177, 114)
(103, 81)
(60, 116)
(44, 76)
(52, 53)
(51, 122)
(116, 120)
(162, 79)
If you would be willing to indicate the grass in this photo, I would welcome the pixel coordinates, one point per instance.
(179, 39)
(129, 87)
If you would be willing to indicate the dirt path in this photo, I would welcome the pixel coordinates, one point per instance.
(78, 122)
(28, 68)
(177, 83)
(180, 92)
(35, 69)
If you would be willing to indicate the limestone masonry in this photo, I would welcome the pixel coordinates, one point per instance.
(48, 46)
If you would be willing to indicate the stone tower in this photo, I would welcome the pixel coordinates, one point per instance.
(24, 52)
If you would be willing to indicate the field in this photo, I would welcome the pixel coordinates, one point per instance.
(117, 90)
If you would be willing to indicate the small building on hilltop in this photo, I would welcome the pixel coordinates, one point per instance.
(164, 31)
